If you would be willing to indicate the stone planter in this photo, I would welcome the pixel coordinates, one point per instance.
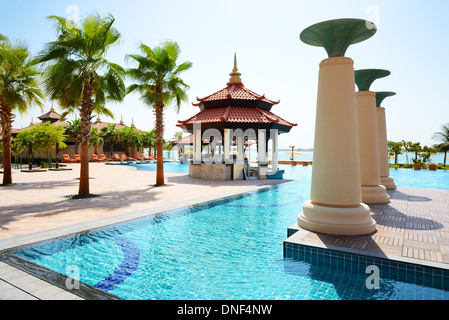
(417, 166)
(433, 167)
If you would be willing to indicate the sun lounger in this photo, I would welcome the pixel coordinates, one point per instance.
(155, 158)
(66, 158)
(96, 159)
(137, 157)
(77, 158)
(145, 158)
(117, 158)
(104, 158)
(126, 158)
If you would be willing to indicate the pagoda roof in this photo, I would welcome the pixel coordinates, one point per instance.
(100, 124)
(50, 115)
(236, 106)
(235, 91)
(233, 114)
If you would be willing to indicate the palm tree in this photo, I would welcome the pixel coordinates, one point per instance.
(131, 138)
(19, 89)
(111, 133)
(395, 149)
(158, 83)
(149, 139)
(73, 129)
(96, 139)
(443, 137)
(78, 76)
(168, 146)
(293, 152)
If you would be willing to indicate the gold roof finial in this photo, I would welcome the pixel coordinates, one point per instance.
(235, 74)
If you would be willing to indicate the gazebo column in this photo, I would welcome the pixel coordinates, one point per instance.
(384, 164)
(262, 154)
(240, 147)
(335, 205)
(372, 190)
(274, 135)
(227, 146)
(197, 145)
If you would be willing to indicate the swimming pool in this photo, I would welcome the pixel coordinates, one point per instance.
(404, 178)
(228, 250)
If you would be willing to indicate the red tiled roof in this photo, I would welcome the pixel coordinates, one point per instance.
(236, 115)
(50, 115)
(185, 140)
(235, 92)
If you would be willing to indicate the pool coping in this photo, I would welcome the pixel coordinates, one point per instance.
(34, 277)
(296, 239)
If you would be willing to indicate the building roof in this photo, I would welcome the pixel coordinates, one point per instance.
(100, 124)
(236, 105)
(234, 114)
(50, 115)
(235, 92)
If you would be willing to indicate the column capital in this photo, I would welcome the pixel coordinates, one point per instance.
(335, 36)
(365, 94)
(336, 60)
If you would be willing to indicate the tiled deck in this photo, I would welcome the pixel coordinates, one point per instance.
(413, 228)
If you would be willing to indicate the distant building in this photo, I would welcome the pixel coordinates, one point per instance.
(55, 119)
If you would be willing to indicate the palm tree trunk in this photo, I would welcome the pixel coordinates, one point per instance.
(160, 180)
(6, 118)
(86, 118)
(445, 157)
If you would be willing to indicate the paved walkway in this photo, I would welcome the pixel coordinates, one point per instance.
(414, 228)
(37, 208)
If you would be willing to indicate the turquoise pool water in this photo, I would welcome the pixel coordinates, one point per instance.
(404, 178)
(230, 249)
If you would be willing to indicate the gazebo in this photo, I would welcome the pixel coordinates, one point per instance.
(234, 116)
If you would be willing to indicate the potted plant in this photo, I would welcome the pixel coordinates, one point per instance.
(433, 167)
(417, 164)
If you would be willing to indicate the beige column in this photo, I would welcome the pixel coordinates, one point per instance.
(384, 165)
(372, 191)
(336, 204)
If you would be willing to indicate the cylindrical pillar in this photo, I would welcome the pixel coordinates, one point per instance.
(384, 165)
(335, 205)
(372, 191)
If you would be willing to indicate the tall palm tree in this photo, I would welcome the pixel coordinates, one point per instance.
(131, 138)
(73, 129)
(19, 89)
(443, 137)
(158, 83)
(96, 139)
(293, 152)
(168, 146)
(78, 76)
(395, 149)
(111, 133)
(149, 139)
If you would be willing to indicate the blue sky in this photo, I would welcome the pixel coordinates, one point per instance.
(411, 42)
